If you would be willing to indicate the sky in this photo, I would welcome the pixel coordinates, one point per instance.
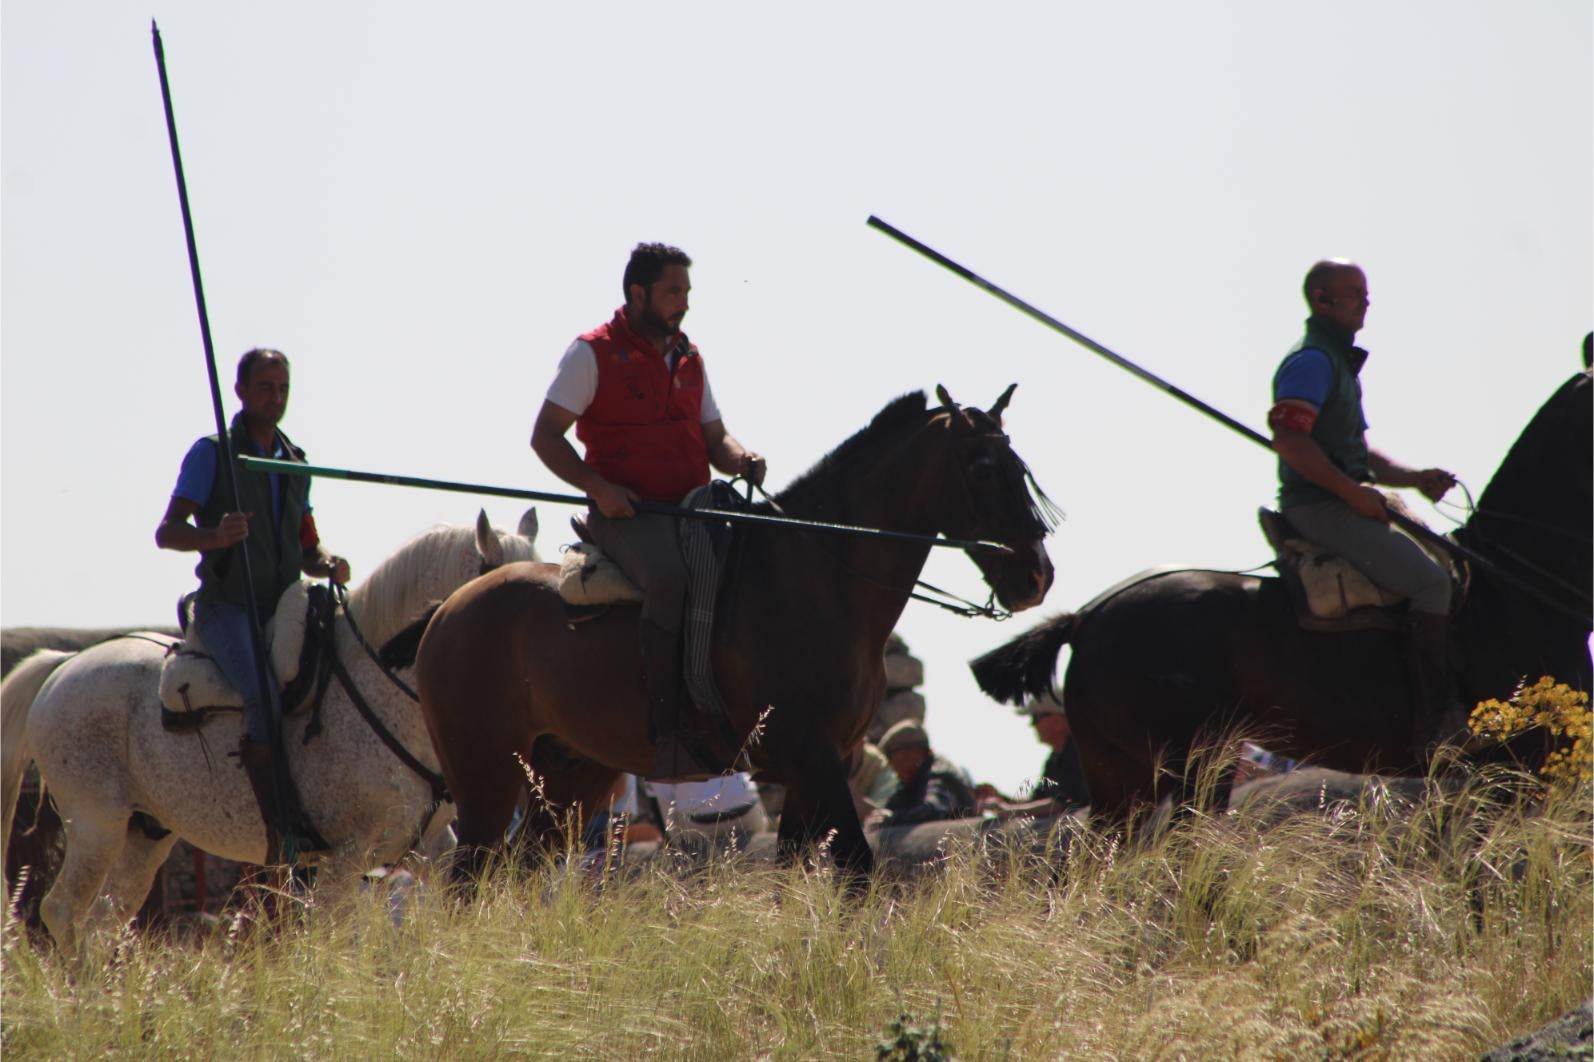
(423, 205)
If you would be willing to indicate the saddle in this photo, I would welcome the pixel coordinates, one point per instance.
(193, 689)
(1329, 593)
(590, 582)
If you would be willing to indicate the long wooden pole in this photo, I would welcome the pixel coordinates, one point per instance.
(225, 466)
(295, 468)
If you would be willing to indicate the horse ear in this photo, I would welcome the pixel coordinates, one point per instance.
(1001, 403)
(946, 399)
(528, 525)
(487, 543)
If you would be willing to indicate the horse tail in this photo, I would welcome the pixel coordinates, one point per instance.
(1027, 665)
(17, 694)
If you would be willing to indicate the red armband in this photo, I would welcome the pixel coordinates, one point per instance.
(1294, 416)
(309, 538)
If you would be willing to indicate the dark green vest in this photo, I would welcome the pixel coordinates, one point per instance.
(276, 558)
(1341, 429)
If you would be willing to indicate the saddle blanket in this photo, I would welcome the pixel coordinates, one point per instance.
(1331, 588)
(190, 679)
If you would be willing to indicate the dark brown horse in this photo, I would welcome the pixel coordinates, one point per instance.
(1173, 660)
(799, 647)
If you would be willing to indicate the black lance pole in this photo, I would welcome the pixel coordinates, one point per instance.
(1057, 326)
(226, 465)
(1412, 527)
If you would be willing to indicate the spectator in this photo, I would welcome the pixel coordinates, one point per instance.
(620, 816)
(871, 779)
(1257, 762)
(931, 788)
(1061, 786)
(723, 811)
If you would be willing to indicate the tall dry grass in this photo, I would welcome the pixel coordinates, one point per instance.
(1376, 930)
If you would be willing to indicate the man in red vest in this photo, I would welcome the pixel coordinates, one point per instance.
(635, 389)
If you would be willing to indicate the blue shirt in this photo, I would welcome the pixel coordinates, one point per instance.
(198, 476)
(1305, 375)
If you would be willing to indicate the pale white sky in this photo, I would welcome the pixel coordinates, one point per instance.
(422, 205)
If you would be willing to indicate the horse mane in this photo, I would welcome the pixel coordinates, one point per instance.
(811, 489)
(1539, 457)
(420, 573)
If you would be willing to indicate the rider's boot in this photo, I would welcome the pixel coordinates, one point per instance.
(675, 755)
(257, 763)
(1437, 717)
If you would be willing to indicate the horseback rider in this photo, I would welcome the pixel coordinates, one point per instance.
(636, 391)
(277, 529)
(1326, 466)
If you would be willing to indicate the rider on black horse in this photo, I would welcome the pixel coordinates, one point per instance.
(1325, 467)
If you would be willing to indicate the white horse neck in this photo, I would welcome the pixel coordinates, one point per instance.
(423, 571)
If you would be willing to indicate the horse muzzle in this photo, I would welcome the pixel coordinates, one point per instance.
(1022, 579)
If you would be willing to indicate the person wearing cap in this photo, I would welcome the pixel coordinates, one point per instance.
(1061, 786)
(932, 789)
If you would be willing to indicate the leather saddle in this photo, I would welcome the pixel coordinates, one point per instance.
(193, 689)
(1329, 593)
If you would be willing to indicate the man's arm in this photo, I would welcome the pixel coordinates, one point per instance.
(177, 533)
(548, 442)
(1433, 482)
(318, 563)
(730, 456)
(1291, 421)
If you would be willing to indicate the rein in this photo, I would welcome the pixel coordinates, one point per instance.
(1581, 607)
(394, 745)
(958, 606)
(348, 614)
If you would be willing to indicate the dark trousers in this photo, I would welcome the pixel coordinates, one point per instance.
(647, 547)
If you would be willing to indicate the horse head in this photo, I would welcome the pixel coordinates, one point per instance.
(432, 565)
(991, 500)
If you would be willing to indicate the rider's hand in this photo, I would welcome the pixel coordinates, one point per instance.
(1367, 501)
(613, 500)
(1434, 483)
(338, 570)
(753, 469)
(233, 529)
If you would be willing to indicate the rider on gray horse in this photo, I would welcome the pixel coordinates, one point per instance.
(636, 391)
(278, 530)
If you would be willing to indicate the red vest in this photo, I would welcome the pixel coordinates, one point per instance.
(642, 429)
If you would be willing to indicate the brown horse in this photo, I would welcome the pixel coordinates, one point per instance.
(1171, 661)
(802, 623)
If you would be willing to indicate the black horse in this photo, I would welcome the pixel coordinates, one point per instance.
(1176, 659)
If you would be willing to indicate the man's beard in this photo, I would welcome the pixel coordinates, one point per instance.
(651, 323)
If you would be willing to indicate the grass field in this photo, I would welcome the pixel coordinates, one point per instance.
(1360, 932)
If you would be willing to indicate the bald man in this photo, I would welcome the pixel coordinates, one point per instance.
(1326, 470)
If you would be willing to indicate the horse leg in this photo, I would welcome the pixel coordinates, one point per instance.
(486, 802)
(93, 848)
(565, 790)
(819, 809)
(1117, 779)
(134, 874)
